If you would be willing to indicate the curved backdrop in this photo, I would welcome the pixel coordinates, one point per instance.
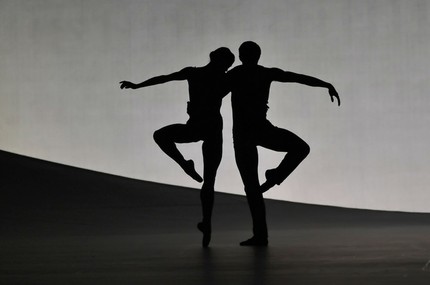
(61, 62)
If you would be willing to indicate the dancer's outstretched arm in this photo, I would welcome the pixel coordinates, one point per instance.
(288, 76)
(180, 75)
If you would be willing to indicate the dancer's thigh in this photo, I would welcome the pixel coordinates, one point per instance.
(246, 155)
(180, 133)
(279, 139)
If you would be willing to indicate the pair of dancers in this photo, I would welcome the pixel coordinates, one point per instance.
(249, 85)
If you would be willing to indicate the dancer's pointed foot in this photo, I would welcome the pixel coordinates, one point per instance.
(189, 169)
(255, 241)
(206, 230)
(270, 180)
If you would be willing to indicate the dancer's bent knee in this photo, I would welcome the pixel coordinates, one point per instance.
(305, 149)
(159, 136)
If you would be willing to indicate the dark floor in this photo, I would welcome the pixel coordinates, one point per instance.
(63, 225)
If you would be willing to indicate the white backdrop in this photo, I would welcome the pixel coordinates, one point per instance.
(61, 61)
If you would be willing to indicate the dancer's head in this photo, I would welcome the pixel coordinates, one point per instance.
(222, 57)
(249, 53)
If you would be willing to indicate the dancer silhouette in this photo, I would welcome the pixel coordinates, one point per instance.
(250, 86)
(207, 88)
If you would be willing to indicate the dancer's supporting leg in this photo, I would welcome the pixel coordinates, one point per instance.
(247, 162)
(212, 153)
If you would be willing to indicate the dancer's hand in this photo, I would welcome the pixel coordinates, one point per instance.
(127, 85)
(333, 94)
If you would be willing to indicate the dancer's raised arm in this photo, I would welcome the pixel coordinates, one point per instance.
(288, 76)
(179, 75)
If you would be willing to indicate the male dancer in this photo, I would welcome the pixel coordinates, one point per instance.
(250, 85)
(207, 87)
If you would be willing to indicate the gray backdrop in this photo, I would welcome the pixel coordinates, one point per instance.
(61, 62)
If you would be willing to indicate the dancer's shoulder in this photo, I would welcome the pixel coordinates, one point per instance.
(188, 71)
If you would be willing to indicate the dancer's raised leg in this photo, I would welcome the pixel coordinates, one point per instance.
(167, 137)
(282, 140)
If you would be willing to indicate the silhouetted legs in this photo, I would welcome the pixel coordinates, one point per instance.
(268, 136)
(278, 139)
(167, 138)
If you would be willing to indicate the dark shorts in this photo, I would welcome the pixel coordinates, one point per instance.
(264, 134)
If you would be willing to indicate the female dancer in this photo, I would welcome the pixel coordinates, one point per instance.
(207, 87)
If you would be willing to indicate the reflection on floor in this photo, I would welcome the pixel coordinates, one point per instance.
(63, 225)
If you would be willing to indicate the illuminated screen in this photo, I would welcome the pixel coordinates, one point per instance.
(61, 63)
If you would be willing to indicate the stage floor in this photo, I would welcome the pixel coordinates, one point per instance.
(63, 225)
